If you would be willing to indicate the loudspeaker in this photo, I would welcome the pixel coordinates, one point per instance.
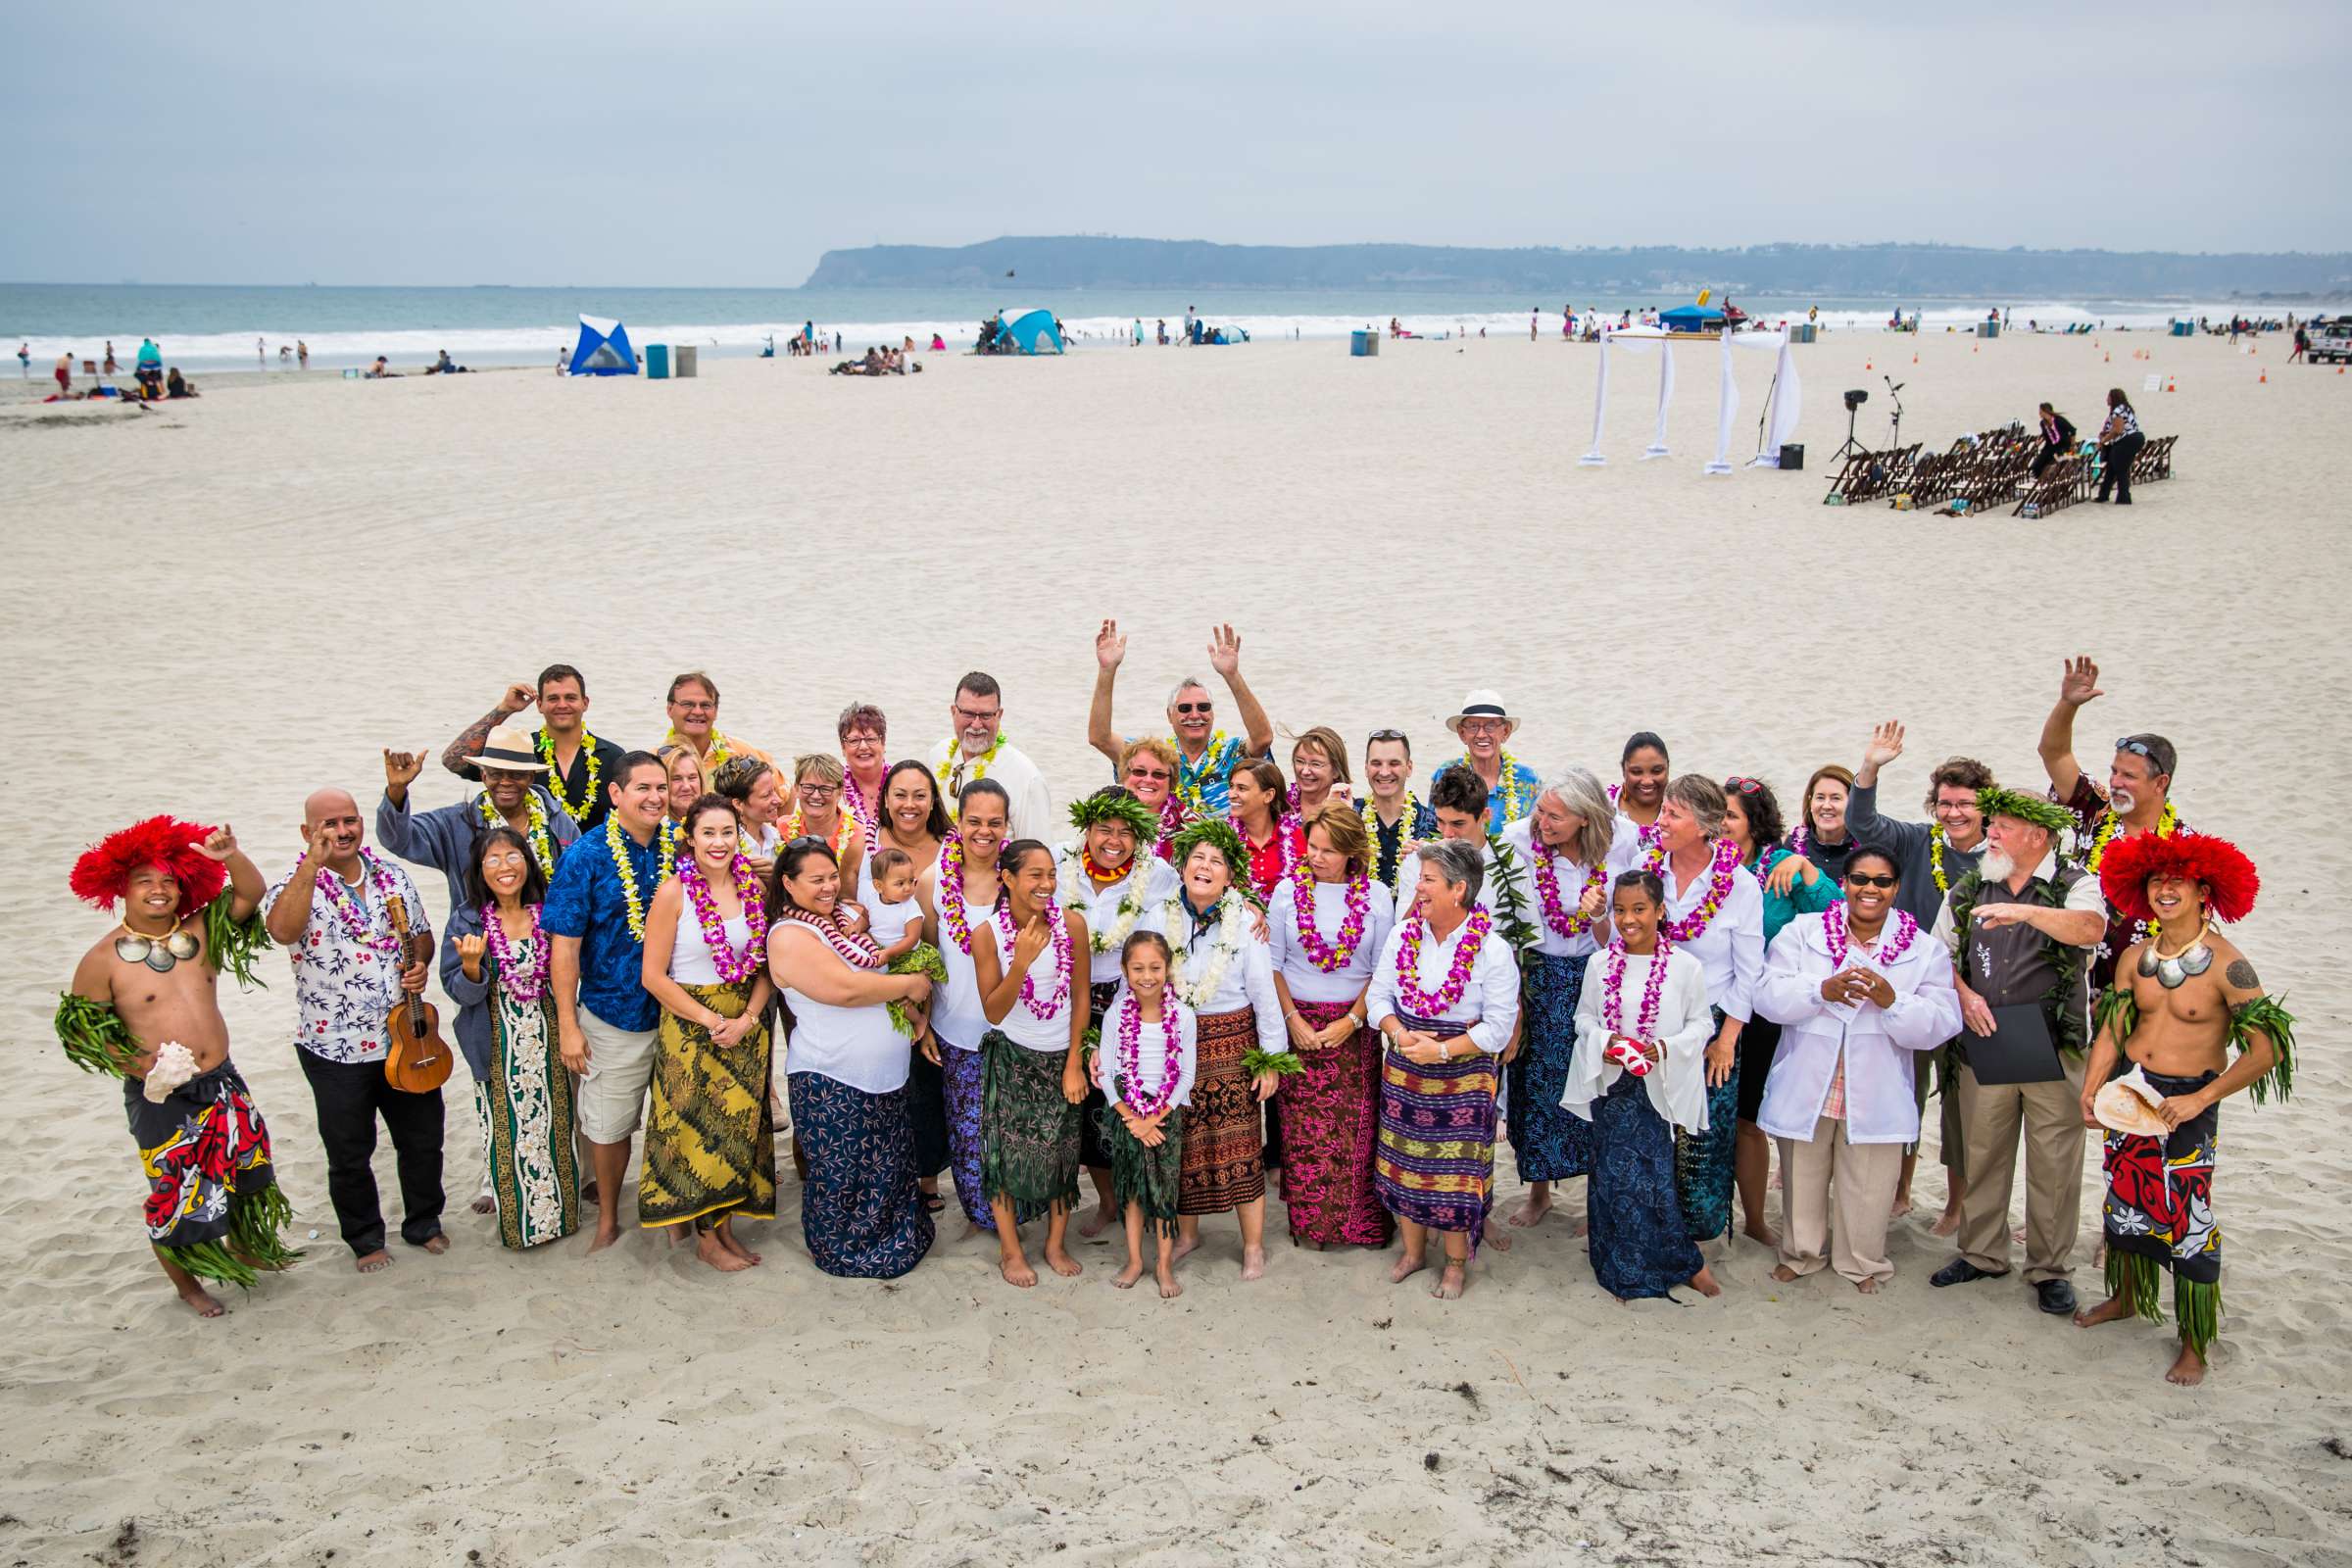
(1792, 457)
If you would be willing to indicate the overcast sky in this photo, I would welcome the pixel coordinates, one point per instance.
(733, 143)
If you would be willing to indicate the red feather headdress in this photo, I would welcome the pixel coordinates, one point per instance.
(2229, 878)
(103, 873)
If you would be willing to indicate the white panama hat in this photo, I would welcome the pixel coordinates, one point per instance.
(1484, 704)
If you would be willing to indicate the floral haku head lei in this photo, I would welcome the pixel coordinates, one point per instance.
(102, 875)
(2229, 878)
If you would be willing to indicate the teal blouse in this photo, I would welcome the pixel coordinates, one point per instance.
(1805, 898)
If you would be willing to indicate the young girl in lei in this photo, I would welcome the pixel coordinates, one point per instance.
(1025, 958)
(1642, 1031)
(710, 1137)
(1329, 920)
(958, 890)
(494, 965)
(1260, 811)
(1144, 1067)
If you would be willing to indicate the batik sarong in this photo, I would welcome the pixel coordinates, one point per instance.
(1149, 1178)
(1636, 1236)
(710, 1133)
(213, 1202)
(1028, 1132)
(860, 1212)
(1224, 1150)
(1436, 1163)
(1330, 1116)
(1703, 1161)
(527, 1111)
(1549, 1143)
(963, 1073)
(1093, 1144)
(2159, 1215)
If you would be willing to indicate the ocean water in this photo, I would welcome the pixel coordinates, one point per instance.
(215, 328)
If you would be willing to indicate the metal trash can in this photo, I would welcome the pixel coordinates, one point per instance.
(656, 362)
(682, 365)
(1988, 329)
(1363, 345)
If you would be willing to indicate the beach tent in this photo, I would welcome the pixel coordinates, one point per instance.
(1691, 318)
(603, 349)
(1033, 331)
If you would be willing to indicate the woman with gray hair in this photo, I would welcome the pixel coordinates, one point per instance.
(1444, 996)
(1565, 842)
(1715, 912)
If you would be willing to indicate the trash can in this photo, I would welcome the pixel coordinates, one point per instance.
(1803, 332)
(656, 362)
(1988, 329)
(1363, 345)
(682, 366)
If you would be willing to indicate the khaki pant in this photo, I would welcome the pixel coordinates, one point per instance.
(1835, 1197)
(2050, 1116)
(1951, 1143)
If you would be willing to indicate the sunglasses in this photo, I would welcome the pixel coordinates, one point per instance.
(2142, 749)
(1384, 735)
(810, 841)
(1195, 707)
(1745, 786)
(1868, 879)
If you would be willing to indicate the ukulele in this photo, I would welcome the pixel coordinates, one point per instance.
(417, 1061)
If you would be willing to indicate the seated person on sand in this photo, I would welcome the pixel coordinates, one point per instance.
(177, 385)
(380, 371)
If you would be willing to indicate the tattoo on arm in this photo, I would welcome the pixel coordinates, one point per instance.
(2241, 975)
(468, 743)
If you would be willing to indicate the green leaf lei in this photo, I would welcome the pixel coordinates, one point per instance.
(2069, 1033)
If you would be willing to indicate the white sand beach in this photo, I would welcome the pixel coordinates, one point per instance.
(218, 608)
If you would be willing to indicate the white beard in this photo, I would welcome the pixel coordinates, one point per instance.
(1996, 867)
(2122, 801)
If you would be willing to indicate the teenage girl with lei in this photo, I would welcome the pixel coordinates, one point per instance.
(1641, 1032)
(1144, 1067)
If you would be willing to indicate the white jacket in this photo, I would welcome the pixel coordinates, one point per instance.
(1876, 1044)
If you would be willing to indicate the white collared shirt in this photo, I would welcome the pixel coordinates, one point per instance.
(1489, 1002)
(1732, 947)
(1677, 1084)
(1307, 982)
(1032, 814)
(1874, 1043)
(1248, 978)
(1099, 906)
(2084, 894)
(1521, 837)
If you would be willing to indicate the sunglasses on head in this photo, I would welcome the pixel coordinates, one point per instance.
(2142, 750)
(809, 840)
(1870, 879)
(1384, 735)
(1195, 707)
(1745, 786)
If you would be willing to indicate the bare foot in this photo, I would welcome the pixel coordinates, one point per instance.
(1786, 1275)
(1253, 1262)
(1062, 1262)
(1406, 1267)
(1532, 1211)
(1704, 1282)
(1125, 1278)
(2188, 1370)
(1902, 1206)
(1169, 1290)
(1869, 1287)
(1014, 1266)
(714, 1251)
(604, 1238)
(1577, 1226)
(588, 1194)
(1452, 1282)
(1764, 1233)
(436, 1244)
(1097, 1221)
(727, 1239)
(1497, 1236)
(1947, 1223)
(2114, 1309)
(1186, 1246)
(485, 1205)
(200, 1300)
(375, 1263)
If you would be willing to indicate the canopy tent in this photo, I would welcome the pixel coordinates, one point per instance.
(1032, 331)
(603, 349)
(1779, 416)
(1691, 318)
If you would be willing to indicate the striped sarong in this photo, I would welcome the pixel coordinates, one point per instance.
(1436, 1162)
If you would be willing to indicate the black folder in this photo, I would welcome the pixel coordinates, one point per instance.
(2019, 1050)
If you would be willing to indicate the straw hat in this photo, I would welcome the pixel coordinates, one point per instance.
(508, 750)
(1484, 704)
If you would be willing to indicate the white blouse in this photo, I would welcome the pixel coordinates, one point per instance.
(1152, 1067)
(1409, 880)
(1677, 1084)
(1732, 947)
(1873, 1043)
(1307, 982)
(690, 962)
(851, 1046)
(1021, 1026)
(1521, 837)
(1248, 978)
(1099, 906)
(1489, 1002)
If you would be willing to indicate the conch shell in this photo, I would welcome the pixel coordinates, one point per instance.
(2129, 1105)
(173, 1065)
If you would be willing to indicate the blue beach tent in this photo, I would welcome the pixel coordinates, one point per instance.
(1033, 331)
(603, 349)
(1691, 318)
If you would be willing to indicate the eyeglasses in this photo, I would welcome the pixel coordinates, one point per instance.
(1195, 707)
(820, 792)
(1745, 786)
(697, 708)
(1867, 879)
(970, 717)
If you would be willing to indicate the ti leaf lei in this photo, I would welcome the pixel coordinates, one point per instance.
(2070, 1032)
(2118, 1015)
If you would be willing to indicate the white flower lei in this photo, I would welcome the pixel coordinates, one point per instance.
(1174, 918)
(1125, 913)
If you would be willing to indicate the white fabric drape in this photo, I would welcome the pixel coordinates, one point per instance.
(1600, 408)
(1787, 397)
(1657, 439)
(1726, 409)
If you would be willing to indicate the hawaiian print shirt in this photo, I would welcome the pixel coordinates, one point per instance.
(345, 985)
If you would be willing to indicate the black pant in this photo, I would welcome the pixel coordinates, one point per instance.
(350, 1096)
(2119, 455)
(2041, 462)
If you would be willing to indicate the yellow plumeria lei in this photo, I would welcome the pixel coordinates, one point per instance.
(2168, 822)
(1510, 786)
(844, 825)
(596, 766)
(1943, 886)
(1190, 774)
(543, 847)
(669, 837)
(973, 768)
